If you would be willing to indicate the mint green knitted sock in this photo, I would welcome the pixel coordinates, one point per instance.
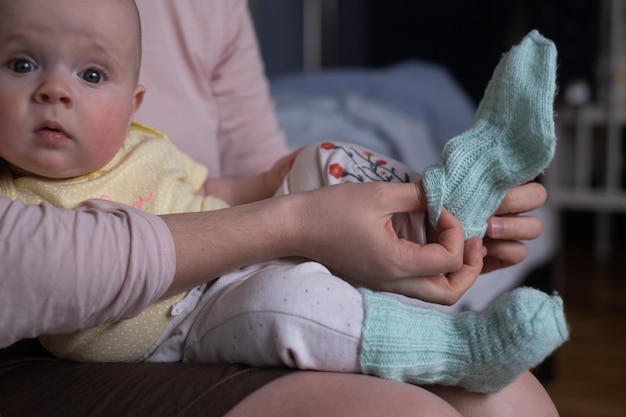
(511, 141)
(481, 352)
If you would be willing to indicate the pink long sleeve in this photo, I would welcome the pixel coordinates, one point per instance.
(206, 85)
(61, 269)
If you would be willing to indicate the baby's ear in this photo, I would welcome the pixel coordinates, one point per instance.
(138, 94)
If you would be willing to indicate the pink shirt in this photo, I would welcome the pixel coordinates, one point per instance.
(206, 86)
(60, 269)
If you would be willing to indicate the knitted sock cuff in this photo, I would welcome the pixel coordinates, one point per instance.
(397, 340)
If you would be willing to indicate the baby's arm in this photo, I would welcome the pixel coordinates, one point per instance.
(237, 191)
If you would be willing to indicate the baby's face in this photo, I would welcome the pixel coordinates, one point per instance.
(68, 90)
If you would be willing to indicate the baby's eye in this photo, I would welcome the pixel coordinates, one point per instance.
(22, 66)
(92, 76)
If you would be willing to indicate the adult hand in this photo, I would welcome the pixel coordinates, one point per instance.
(507, 227)
(355, 237)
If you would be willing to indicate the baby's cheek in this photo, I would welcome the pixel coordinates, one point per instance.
(106, 145)
(111, 125)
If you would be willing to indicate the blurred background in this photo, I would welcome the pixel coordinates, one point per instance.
(398, 69)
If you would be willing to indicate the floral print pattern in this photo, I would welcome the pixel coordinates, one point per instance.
(367, 166)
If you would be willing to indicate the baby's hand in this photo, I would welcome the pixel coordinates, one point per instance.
(275, 176)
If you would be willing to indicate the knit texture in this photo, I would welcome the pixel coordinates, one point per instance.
(511, 141)
(481, 352)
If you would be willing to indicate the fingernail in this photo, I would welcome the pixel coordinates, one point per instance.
(496, 227)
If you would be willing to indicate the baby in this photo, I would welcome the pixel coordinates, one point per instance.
(68, 93)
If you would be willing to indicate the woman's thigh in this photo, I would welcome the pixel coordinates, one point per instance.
(524, 397)
(308, 394)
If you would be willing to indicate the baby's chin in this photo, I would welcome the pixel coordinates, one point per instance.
(50, 173)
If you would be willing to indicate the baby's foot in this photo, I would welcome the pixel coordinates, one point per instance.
(481, 352)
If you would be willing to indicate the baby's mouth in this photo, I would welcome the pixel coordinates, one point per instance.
(51, 135)
(51, 127)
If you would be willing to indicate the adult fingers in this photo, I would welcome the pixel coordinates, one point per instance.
(443, 256)
(503, 253)
(444, 289)
(523, 198)
(463, 279)
(514, 227)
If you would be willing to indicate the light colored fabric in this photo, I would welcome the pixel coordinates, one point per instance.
(333, 162)
(286, 312)
(361, 121)
(413, 92)
(121, 341)
(481, 352)
(206, 85)
(42, 292)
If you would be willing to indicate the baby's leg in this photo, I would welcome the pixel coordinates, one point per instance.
(280, 313)
(329, 163)
(481, 352)
(286, 313)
